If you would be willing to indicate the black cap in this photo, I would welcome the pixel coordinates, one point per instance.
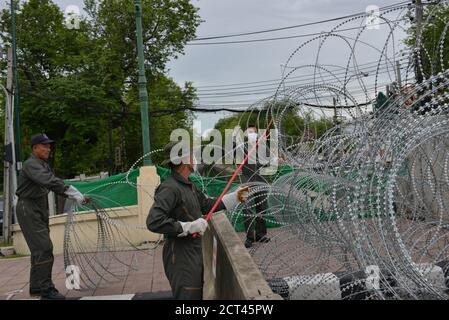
(167, 151)
(40, 138)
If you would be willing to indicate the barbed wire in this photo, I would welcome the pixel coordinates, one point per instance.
(362, 211)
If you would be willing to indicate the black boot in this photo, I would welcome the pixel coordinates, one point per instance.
(248, 243)
(35, 292)
(263, 239)
(52, 294)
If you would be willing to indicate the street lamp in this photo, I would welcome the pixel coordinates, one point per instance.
(360, 74)
(143, 93)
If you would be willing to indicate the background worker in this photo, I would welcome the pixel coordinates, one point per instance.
(36, 179)
(256, 229)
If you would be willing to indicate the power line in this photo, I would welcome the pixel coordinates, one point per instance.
(296, 26)
(282, 38)
(276, 81)
(303, 79)
(215, 110)
(259, 92)
(353, 92)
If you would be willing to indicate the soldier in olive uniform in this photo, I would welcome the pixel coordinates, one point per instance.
(35, 180)
(256, 229)
(178, 212)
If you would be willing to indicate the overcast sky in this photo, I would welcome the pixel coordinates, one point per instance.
(210, 65)
(237, 63)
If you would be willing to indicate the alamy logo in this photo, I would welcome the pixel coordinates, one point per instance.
(230, 149)
(372, 17)
(72, 17)
(373, 277)
(72, 281)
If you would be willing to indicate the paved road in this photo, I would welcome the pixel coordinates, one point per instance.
(146, 276)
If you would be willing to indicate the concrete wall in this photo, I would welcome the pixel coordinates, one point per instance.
(229, 270)
(147, 182)
(428, 161)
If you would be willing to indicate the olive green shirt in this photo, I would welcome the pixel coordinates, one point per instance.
(36, 179)
(177, 199)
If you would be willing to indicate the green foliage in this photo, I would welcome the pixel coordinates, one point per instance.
(435, 19)
(294, 125)
(167, 26)
(14, 256)
(164, 95)
(76, 85)
(382, 102)
(5, 244)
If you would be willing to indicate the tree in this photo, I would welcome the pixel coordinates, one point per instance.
(294, 126)
(433, 50)
(434, 38)
(48, 60)
(167, 26)
(80, 85)
(165, 95)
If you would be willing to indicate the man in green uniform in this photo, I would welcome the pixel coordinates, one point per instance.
(178, 212)
(255, 226)
(35, 180)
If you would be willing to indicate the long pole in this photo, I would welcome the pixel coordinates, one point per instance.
(236, 172)
(143, 93)
(418, 56)
(15, 86)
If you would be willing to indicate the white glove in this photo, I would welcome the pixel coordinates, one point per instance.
(197, 226)
(74, 194)
(231, 200)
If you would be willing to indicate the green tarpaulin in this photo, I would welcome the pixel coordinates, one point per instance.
(116, 192)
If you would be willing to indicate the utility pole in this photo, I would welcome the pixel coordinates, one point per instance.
(16, 87)
(10, 177)
(282, 76)
(143, 94)
(398, 74)
(399, 82)
(335, 110)
(418, 55)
